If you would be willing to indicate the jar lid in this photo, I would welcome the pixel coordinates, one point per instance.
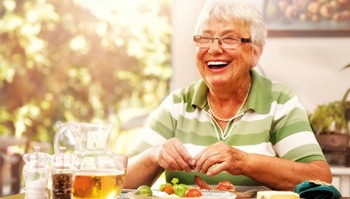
(37, 159)
(63, 160)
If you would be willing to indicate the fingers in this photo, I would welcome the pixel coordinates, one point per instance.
(166, 160)
(207, 156)
(207, 160)
(215, 159)
(217, 169)
(183, 158)
(174, 156)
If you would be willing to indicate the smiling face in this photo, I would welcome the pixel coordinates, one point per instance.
(226, 67)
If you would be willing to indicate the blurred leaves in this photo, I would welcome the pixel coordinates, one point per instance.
(80, 60)
(329, 118)
(333, 117)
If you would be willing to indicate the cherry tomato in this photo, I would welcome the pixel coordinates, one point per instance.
(225, 185)
(193, 192)
(167, 188)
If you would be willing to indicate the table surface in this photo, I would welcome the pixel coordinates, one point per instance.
(17, 196)
(22, 196)
(124, 195)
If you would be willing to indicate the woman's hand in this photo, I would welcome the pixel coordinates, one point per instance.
(222, 157)
(172, 155)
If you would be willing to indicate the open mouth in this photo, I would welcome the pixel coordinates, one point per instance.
(217, 64)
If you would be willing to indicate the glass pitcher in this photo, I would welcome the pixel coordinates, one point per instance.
(100, 173)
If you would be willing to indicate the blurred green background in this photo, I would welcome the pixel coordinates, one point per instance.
(82, 60)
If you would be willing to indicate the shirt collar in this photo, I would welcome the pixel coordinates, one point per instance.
(259, 99)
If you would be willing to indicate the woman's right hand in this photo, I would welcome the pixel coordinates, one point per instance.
(172, 155)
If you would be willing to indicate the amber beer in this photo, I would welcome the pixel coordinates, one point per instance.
(106, 186)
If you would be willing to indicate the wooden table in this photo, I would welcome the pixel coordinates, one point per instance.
(17, 196)
(22, 196)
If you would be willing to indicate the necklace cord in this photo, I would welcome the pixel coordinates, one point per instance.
(229, 119)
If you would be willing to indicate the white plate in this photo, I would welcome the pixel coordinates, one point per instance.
(217, 194)
(207, 194)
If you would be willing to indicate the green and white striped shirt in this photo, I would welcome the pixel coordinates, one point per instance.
(272, 122)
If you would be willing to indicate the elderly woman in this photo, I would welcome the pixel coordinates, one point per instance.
(233, 124)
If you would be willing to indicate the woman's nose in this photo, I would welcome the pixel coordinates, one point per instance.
(215, 47)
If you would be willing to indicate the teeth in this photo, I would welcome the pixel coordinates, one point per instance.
(217, 63)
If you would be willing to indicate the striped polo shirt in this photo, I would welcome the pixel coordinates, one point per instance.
(272, 122)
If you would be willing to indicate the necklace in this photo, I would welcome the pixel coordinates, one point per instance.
(229, 119)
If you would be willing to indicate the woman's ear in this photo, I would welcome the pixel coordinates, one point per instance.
(257, 51)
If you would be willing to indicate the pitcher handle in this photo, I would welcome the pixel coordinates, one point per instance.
(61, 129)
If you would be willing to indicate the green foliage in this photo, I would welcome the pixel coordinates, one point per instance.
(329, 118)
(80, 60)
(333, 117)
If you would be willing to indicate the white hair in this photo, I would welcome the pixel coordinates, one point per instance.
(234, 10)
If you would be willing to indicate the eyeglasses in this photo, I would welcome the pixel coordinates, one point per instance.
(225, 42)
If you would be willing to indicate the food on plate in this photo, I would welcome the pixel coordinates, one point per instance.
(144, 190)
(167, 188)
(277, 195)
(226, 186)
(223, 185)
(193, 192)
(174, 188)
(201, 183)
(180, 189)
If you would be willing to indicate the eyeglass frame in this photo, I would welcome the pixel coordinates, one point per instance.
(220, 40)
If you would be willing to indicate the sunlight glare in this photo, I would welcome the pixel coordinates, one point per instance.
(33, 15)
(78, 43)
(29, 29)
(101, 28)
(9, 4)
(35, 45)
(111, 10)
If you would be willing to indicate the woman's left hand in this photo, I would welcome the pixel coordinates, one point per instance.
(220, 157)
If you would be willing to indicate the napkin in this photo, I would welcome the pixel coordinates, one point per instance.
(315, 189)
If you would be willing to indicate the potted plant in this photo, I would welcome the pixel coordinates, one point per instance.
(331, 125)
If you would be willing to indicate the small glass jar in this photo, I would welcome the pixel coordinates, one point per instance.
(62, 175)
(36, 174)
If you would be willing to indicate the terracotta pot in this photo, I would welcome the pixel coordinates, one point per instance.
(336, 148)
(337, 157)
(333, 140)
